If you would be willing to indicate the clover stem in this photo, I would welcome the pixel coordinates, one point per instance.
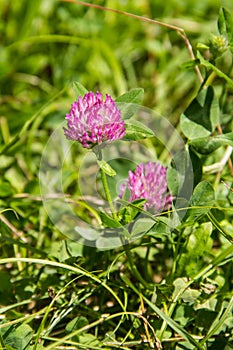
(107, 193)
(98, 152)
(133, 267)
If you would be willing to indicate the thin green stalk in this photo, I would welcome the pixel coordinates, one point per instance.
(107, 193)
(176, 250)
(18, 254)
(24, 131)
(67, 337)
(21, 320)
(215, 222)
(5, 130)
(48, 309)
(114, 215)
(2, 343)
(134, 268)
(174, 325)
(88, 207)
(210, 79)
(103, 318)
(71, 268)
(146, 267)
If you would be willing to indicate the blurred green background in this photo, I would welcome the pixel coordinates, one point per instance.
(45, 45)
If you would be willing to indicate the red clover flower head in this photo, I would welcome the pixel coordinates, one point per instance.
(93, 121)
(148, 181)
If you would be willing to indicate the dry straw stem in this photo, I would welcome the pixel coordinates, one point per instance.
(16, 232)
(148, 20)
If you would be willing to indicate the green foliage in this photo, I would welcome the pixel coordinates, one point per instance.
(198, 244)
(203, 199)
(108, 170)
(136, 131)
(132, 96)
(225, 25)
(201, 117)
(79, 89)
(18, 337)
(207, 145)
(171, 287)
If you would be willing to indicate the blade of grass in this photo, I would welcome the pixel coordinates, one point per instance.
(2, 343)
(20, 136)
(219, 228)
(102, 319)
(74, 269)
(48, 309)
(218, 322)
(219, 260)
(175, 326)
(24, 319)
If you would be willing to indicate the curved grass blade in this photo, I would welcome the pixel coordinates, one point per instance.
(175, 326)
(74, 269)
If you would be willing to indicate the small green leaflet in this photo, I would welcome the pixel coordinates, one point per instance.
(108, 170)
(79, 89)
(136, 131)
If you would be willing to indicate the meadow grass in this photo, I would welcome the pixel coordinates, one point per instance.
(171, 288)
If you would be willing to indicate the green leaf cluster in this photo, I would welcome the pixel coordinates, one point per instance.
(171, 286)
